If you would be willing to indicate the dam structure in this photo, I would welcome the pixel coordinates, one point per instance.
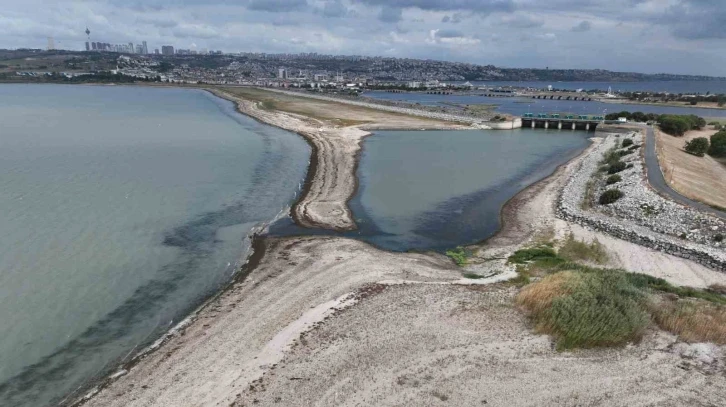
(567, 122)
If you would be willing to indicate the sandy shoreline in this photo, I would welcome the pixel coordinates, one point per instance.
(333, 321)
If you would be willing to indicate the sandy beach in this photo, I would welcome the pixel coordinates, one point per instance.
(329, 321)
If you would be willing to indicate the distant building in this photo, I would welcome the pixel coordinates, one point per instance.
(94, 46)
(156, 51)
(282, 73)
(145, 48)
(139, 49)
(167, 50)
(131, 47)
(88, 46)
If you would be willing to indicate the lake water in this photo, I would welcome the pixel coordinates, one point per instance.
(434, 190)
(123, 208)
(520, 105)
(714, 86)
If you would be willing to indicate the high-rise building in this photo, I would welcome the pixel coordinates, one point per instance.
(145, 47)
(139, 49)
(282, 73)
(51, 44)
(167, 50)
(94, 46)
(88, 46)
(156, 51)
(131, 47)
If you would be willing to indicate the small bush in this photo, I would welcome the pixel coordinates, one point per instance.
(616, 167)
(718, 145)
(634, 147)
(629, 166)
(610, 196)
(613, 179)
(459, 255)
(718, 238)
(576, 250)
(627, 142)
(623, 153)
(698, 146)
(533, 254)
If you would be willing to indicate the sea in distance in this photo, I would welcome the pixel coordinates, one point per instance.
(435, 190)
(685, 87)
(518, 106)
(123, 209)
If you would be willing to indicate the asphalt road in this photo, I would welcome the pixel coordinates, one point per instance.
(657, 180)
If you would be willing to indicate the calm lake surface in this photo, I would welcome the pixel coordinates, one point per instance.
(714, 86)
(520, 105)
(433, 190)
(123, 208)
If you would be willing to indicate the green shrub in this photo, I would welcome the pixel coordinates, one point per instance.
(633, 148)
(613, 179)
(586, 309)
(718, 238)
(698, 146)
(627, 142)
(532, 254)
(610, 196)
(623, 153)
(718, 144)
(616, 167)
(678, 125)
(459, 255)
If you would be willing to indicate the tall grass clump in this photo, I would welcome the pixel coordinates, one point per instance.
(577, 250)
(691, 320)
(584, 310)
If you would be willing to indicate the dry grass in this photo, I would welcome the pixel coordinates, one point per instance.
(576, 250)
(691, 320)
(536, 298)
(335, 114)
(699, 178)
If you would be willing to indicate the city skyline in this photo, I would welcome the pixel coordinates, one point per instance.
(621, 35)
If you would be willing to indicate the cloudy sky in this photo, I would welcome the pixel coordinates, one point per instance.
(674, 36)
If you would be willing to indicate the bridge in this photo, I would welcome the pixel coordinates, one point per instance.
(557, 121)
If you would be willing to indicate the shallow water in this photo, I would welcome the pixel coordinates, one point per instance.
(123, 208)
(433, 190)
(518, 106)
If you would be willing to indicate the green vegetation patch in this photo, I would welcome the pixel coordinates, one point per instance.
(697, 146)
(613, 179)
(610, 196)
(584, 307)
(459, 255)
(718, 144)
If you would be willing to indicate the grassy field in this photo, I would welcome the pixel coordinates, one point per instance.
(583, 306)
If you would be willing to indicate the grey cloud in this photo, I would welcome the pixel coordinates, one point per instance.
(390, 15)
(696, 19)
(277, 5)
(480, 6)
(334, 9)
(521, 21)
(582, 27)
(449, 34)
(455, 18)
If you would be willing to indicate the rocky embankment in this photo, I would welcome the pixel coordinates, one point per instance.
(641, 215)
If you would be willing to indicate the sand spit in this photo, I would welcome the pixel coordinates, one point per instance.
(331, 180)
(313, 324)
(245, 332)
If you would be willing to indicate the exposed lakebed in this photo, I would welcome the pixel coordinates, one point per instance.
(433, 190)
